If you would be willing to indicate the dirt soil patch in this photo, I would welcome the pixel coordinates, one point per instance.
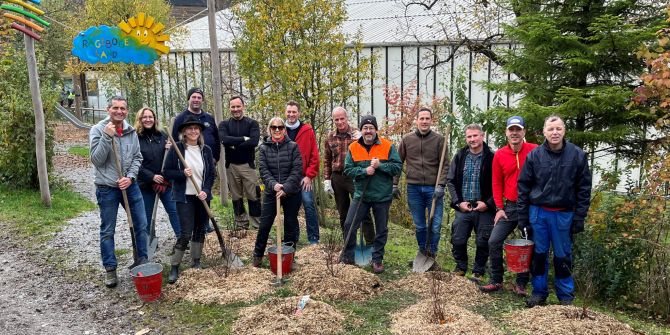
(212, 286)
(556, 319)
(419, 319)
(277, 316)
(455, 289)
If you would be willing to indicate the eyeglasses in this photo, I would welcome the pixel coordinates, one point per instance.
(147, 118)
(277, 128)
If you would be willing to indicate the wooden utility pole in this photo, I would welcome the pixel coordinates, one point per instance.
(40, 132)
(216, 91)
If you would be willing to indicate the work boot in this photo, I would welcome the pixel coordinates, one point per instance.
(175, 261)
(110, 278)
(254, 212)
(242, 221)
(257, 261)
(536, 300)
(196, 254)
(567, 302)
(476, 278)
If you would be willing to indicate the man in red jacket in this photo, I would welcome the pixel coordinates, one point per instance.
(507, 164)
(303, 134)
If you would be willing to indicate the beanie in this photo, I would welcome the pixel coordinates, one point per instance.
(368, 119)
(194, 90)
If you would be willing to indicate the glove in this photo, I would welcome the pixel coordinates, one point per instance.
(328, 187)
(577, 226)
(160, 187)
(526, 229)
(439, 192)
(396, 192)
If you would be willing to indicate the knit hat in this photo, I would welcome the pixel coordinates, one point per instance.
(368, 119)
(515, 121)
(194, 90)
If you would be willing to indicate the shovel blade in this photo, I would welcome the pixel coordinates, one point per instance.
(363, 255)
(232, 260)
(422, 263)
(153, 245)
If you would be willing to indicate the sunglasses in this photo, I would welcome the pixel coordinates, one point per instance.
(277, 128)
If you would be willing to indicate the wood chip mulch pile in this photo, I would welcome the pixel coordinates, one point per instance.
(276, 316)
(66, 132)
(315, 254)
(349, 283)
(241, 243)
(455, 289)
(556, 319)
(419, 319)
(211, 286)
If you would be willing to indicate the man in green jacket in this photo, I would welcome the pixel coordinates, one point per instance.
(371, 162)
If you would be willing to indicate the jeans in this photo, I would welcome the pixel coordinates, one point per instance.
(552, 228)
(420, 199)
(464, 224)
(355, 216)
(170, 206)
(343, 187)
(109, 199)
(311, 218)
(193, 219)
(499, 233)
(291, 206)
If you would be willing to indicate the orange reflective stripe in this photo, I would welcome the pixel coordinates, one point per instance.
(380, 151)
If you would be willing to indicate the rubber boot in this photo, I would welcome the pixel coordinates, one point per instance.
(254, 213)
(111, 279)
(238, 207)
(174, 270)
(196, 254)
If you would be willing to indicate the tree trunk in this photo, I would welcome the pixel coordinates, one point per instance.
(216, 88)
(40, 131)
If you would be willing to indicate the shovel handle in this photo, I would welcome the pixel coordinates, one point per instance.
(280, 246)
(126, 203)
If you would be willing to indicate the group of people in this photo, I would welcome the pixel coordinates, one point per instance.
(542, 190)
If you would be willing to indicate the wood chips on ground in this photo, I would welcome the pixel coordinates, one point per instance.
(556, 319)
(241, 243)
(419, 319)
(350, 282)
(455, 289)
(66, 132)
(70, 161)
(276, 316)
(316, 254)
(211, 286)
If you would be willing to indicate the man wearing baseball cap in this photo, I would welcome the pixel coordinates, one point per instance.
(371, 162)
(507, 164)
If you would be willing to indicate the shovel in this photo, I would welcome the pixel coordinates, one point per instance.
(125, 202)
(359, 257)
(230, 257)
(363, 252)
(423, 262)
(153, 240)
(280, 246)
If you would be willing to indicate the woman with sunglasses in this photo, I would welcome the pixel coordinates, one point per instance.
(281, 171)
(153, 146)
(192, 213)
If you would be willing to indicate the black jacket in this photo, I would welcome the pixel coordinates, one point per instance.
(232, 133)
(455, 178)
(280, 163)
(559, 179)
(152, 147)
(211, 133)
(174, 171)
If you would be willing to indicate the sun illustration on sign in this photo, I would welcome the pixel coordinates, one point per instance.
(146, 31)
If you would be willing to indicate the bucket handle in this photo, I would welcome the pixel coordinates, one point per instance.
(524, 233)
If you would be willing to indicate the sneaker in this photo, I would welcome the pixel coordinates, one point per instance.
(476, 277)
(110, 278)
(377, 268)
(491, 287)
(519, 290)
(566, 302)
(536, 300)
(257, 261)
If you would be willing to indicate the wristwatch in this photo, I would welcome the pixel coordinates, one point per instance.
(132, 180)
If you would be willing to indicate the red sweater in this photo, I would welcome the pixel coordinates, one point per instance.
(506, 171)
(309, 150)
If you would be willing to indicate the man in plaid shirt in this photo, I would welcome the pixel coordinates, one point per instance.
(335, 182)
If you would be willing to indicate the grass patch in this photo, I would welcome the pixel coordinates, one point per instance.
(23, 209)
(79, 150)
(192, 318)
(375, 314)
(120, 252)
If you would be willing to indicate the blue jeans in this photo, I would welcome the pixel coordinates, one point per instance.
(109, 199)
(380, 210)
(170, 206)
(312, 220)
(420, 199)
(552, 228)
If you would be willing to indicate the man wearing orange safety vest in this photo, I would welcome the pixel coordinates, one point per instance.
(371, 162)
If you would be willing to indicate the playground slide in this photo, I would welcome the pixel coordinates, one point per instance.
(70, 117)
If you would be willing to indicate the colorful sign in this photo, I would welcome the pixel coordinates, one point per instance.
(137, 41)
(27, 13)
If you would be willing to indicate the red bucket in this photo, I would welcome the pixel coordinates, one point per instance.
(148, 279)
(286, 258)
(519, 254)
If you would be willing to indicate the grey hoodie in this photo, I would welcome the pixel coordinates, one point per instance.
(103, 158)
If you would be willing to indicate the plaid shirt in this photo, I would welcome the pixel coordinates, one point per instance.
(471, 170)
(335, 148)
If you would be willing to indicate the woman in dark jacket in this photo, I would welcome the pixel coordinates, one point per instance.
(281, 171)
(192, 213)
(153, 146)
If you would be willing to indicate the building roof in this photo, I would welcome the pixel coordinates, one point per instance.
(382, 22)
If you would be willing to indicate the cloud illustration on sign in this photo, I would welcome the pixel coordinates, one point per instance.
(104, 44)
